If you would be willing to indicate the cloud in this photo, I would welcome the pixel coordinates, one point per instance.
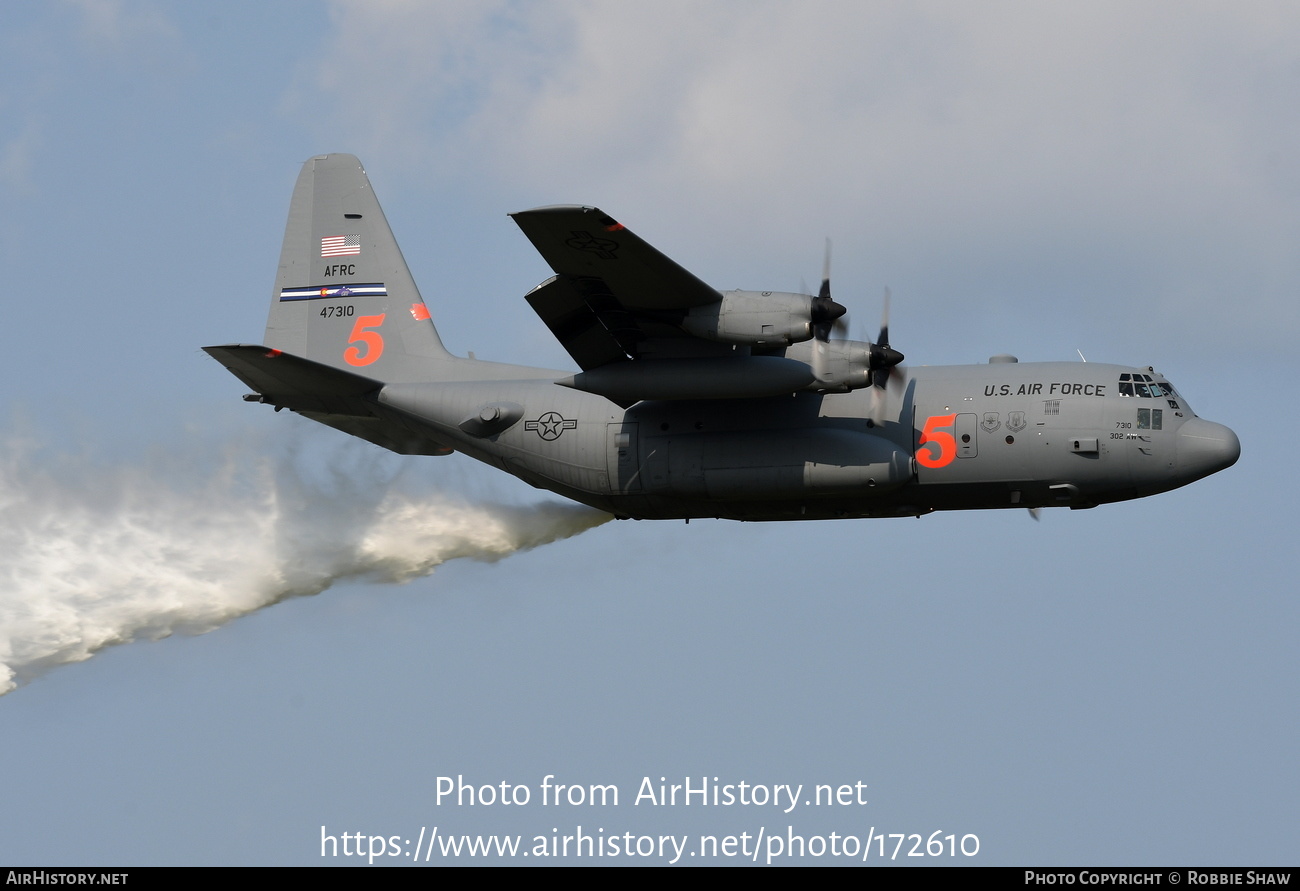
(1129, 156)
(17, 156)
(120, 26)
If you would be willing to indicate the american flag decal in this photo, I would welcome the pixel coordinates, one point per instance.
(340, 245)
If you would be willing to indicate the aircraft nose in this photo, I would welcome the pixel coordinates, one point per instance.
(1205, 447)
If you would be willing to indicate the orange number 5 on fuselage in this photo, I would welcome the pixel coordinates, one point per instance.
(947, 443)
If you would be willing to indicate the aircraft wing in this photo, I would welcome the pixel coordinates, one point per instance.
(613, 297)
(579, 242)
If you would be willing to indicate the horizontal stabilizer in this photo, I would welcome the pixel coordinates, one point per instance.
(293, 382)
(336, 398)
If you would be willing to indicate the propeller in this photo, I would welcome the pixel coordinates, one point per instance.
(825, 313)
(828, 319)
(826, 316)
(883, 359)
(884, 365)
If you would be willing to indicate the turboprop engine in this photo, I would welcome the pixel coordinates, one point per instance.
(761, 318)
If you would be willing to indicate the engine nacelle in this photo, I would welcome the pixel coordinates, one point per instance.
(754, 318)
(841, 366)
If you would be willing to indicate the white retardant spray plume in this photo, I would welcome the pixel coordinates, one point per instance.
(98, 555)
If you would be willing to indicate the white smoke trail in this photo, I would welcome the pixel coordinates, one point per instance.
(92, 556)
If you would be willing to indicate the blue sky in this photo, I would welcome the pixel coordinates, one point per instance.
(1110, 686)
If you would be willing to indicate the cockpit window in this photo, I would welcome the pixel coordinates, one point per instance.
(1145, 387)
(1150, 419)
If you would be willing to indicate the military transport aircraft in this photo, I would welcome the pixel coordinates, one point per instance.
(693, 402)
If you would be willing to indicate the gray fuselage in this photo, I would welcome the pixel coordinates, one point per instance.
(958, 437)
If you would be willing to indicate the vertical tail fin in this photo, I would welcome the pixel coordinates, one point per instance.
(343, 295)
